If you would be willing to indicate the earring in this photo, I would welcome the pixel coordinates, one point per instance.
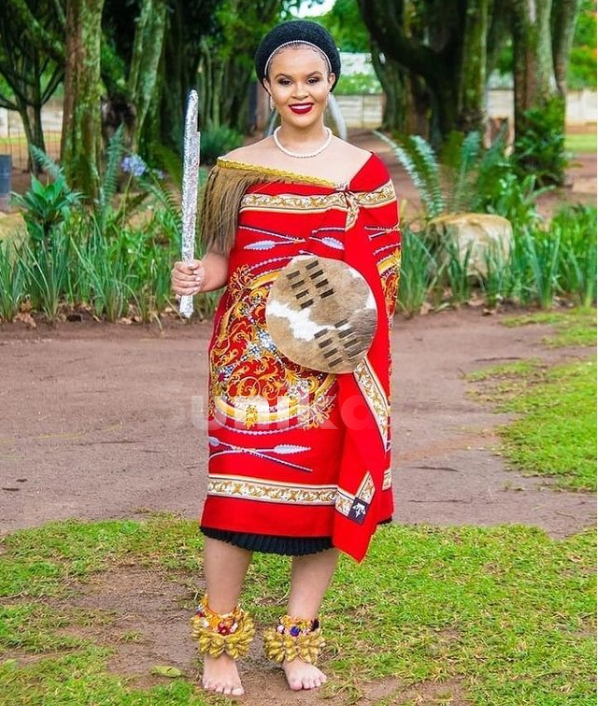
(271, 103)
(328, 98)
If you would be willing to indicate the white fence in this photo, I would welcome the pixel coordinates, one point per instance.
(366, 111)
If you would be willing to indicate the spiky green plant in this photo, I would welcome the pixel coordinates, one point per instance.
(459, 160)
(466, 177)
(109, 182)
(418, 272)
(522, 289)
(496, 282)
(420, 162)
(169, 161)
(577, 227)
(108, 276)
(47, 270)
(579, 274)
(48, 164)
(543, 257)
(153, 184)
(12, 282)
(456, 271)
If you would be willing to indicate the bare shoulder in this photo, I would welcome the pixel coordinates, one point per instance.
(351, 155)
(247, 153)
(350, 150)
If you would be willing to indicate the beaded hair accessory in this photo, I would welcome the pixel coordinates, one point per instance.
(297, 42)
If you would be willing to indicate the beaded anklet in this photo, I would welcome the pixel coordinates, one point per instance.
(294, 638)
(222, 632)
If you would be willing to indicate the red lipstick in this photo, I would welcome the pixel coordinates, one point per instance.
(301, 108)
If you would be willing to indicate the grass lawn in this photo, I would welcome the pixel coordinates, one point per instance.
(505, 613)
(555, 432)
(573, 327)
(581, 142)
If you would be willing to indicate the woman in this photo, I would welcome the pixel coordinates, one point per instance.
(311, 477)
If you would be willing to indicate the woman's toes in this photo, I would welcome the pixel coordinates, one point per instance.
(238, 691)
(296, 685)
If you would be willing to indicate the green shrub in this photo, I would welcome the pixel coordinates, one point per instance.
(216, 141)
(540, 148)
(466, 177)
(46, 206)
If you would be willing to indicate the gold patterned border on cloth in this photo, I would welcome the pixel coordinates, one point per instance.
(246, 488)
(348, 201)
(387, 482)
(355, 506)
(375, 396)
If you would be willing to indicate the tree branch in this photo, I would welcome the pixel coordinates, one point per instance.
(47, 41)
(7, 103)
(381, 20)
(60, 15)
(564, 17)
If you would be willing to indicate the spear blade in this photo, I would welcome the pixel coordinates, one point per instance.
(190, 185)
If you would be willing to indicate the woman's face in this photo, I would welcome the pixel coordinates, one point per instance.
(299, 83)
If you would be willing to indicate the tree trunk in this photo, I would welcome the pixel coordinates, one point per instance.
(31, 117)
(472, 78)
(29, 44)
(147, 50)
(437, 45)
(498, 35)
(539, 106)
(389, 75)
(81, 134)
(178, 74)
(532, 56)
(23, 110)
(37, 131)
(564, 16)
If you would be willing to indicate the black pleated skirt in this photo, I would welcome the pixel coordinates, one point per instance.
(273, 544)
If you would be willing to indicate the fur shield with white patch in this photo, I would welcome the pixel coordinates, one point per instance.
(321, 313)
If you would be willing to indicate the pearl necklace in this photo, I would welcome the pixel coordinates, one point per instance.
(302, 155)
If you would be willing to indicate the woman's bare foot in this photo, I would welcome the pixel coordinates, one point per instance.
(220, 674)
(301, 675)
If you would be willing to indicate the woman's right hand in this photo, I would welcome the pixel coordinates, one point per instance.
(187, 277)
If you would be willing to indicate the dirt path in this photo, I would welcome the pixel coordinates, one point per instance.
(98, 421)
(105, 421)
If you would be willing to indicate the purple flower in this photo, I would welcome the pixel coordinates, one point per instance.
(133, 164)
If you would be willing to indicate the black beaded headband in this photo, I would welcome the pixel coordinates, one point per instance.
(297, 32)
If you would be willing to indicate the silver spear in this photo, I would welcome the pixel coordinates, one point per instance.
(190, 179)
